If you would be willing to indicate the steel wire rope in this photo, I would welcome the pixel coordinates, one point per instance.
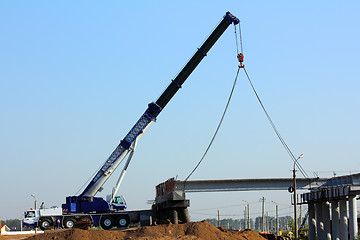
(217, 129)
(267, 115)
(275, 129)
(223, 115)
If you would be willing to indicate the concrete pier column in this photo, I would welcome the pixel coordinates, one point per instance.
(312, 221)
(184, 215)
(335, 220)
(326, 220)
(319, 221)
(343, 220)
(353, 225)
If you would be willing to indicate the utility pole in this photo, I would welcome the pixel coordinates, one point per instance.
(267, 222)
(262, 214)
(295, 199)
(218, 218)
(300, 215)
(277, 220)
(248, 214)
(245, 222)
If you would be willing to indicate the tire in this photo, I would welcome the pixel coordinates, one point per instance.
(69, 223)
(123, 221)
(107, 222)
(45, 223)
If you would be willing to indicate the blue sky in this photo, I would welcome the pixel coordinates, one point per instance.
(76, 76)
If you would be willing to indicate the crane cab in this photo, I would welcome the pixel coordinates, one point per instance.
(118, 203)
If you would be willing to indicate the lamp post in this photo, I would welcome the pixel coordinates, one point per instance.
(34, 201)
(35, 209)
(295, 198)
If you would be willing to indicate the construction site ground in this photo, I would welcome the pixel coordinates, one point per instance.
(193, 230)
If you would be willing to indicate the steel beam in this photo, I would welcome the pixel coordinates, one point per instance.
(247, 184)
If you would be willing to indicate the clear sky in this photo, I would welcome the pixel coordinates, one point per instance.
(76, 75)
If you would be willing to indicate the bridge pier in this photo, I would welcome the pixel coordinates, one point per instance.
(326, 220)
(353, 225)
(312, 220)
(342, 224)
(343, 220)
(335, 217)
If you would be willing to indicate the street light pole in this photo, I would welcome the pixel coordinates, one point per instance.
(35, 202)
(295, 198)
(35, 210)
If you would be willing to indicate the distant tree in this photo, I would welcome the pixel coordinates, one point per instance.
(12, 223)
(213, 221)
(292, 224)
(229, 223)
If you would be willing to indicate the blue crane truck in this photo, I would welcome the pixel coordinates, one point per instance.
(113, 213)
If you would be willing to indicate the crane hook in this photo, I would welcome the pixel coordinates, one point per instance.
(240, 57)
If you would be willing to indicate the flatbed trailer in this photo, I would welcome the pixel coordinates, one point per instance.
(53, 218)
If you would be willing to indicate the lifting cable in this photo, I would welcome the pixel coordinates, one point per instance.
(266, 113)
(240, 58)
(223, 115)
(275, 129)
(218, 127)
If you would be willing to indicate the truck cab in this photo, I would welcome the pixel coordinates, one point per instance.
(31, 217)
(42, 217)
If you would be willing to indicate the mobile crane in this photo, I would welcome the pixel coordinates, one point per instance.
(112, 212)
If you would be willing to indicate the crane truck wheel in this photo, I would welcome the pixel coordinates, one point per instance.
(69, 223)
(123, 221)
(45, 223)
(107, 222)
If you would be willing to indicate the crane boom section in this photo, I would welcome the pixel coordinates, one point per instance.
(154, 109)
(196, 59)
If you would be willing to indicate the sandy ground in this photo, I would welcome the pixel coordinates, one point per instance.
(194, 230)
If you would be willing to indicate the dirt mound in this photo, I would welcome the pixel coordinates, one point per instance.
(194, 230)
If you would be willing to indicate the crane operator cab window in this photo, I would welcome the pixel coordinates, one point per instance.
(119, 200)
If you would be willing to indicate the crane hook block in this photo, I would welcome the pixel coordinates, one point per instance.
(240, 57)
(231, 18)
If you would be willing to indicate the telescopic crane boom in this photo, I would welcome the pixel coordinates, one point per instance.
(128, 143)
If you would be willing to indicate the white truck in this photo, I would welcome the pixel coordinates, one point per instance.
(33, 217)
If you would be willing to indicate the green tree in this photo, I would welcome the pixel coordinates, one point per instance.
(12, 223)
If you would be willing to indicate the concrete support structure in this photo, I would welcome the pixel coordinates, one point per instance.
(312, 221)
(343, 220)
(322, 224)
(335, 220)
(319, 221)
(342, 223)
(326, 220)
(353, 225)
